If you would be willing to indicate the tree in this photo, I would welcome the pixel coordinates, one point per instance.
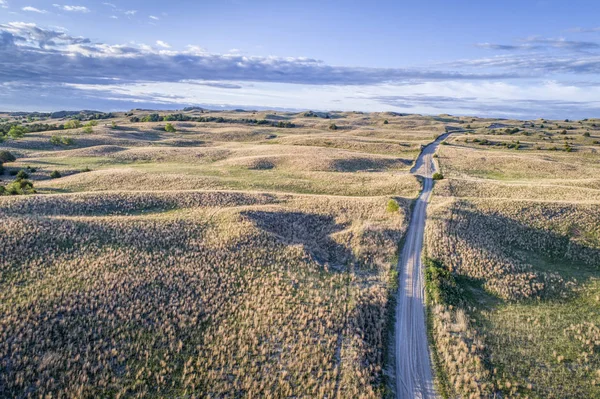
(55, 174)
(170, 128)
(385, 122)
(438, 176)
(17, 131)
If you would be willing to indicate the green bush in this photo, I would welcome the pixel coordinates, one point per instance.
(6, 156)
(22, 174)
(55, 174)
(61, 140)
(88, 129)
(392, 206)
(333, 126)
(586, 134)
(18, 187)
(170, 128)
(73, 124)
(438, 176)
(385, 122)
(16, 132)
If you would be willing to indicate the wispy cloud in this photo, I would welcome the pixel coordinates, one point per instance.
(584, 30)
(540, 43)
(50, 55)
(154, 17)
(3, 4)
(110, 5)
(82, 9)
(130, 12)
(162, 44)
(33, 9)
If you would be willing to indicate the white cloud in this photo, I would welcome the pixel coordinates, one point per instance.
(153, 17)
(110, 5)
(33, 9)
(162, 44)
(130, 12)
(72, 8)
(3, 4)
(114, 17)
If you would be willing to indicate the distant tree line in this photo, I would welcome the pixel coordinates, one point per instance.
(217, 119)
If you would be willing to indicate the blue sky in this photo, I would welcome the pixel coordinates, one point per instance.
(523, 59)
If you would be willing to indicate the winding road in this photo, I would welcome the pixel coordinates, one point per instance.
(414, 377)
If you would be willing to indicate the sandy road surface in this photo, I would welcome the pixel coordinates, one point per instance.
(414, 378)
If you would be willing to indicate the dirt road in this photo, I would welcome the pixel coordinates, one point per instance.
(414, 378)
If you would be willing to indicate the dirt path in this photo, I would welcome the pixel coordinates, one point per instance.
(414, 378)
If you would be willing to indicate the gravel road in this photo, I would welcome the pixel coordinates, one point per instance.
(414, 378)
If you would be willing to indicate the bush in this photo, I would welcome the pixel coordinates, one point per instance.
(73, 124)
(88, 129)
(60, 140)
(113, 125)
(392, 206)
(438, 176)
(22, 174)
(170, 128)
(586, 134)
(18, 187)
(55, 174)
(17, 131)
(6, 156)
(385, 122)
(333, 126)
(444, 143)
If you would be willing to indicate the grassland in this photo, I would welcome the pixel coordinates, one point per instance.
(252, 254)
(226, 259)
(514, 237)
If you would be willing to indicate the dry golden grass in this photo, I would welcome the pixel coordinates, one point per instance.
(518, 228)
(195, 293)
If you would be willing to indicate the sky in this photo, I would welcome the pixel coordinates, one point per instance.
(517, 59)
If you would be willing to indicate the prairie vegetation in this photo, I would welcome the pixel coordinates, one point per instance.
(515, 247)
(142, 278)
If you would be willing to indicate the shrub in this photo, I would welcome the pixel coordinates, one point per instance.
(88, 129)
(444, 143)
(19, 187)
(392, 206)
(333, 126)
(113, 125)
(438, 176)
(73, 124)
(55, 174)
(6, 156)
(170, 128)
(17, 131)
(385, 122)
(586, 134)
(22, 174)
(61, 140)
(92, 123)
